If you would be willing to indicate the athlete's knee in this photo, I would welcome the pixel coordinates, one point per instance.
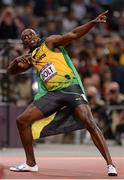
(89, 122)
(22, 121)
(87, 118)
(91, 126)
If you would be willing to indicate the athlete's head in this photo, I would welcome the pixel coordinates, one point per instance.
(29, 38)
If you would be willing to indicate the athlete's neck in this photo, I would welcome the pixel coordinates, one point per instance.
(37, 45)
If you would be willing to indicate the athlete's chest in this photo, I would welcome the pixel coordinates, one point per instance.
(38, 56)
(48, 71)
(43, 55)
(48, 63)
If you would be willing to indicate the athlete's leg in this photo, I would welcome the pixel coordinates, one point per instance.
(24, 121)
(84, 114)
(44, 106)
(78, 102)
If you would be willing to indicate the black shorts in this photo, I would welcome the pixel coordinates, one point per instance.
(71, 96)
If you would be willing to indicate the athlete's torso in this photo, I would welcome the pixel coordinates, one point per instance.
(53, 69)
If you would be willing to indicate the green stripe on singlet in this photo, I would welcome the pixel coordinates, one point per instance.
(70, 64)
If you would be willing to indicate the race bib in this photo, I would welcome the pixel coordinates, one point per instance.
(47, 72)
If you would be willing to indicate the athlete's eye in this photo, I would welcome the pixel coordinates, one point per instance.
(26, 37)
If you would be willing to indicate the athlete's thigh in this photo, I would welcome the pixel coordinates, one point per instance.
(50, 103)
(74, 96)
(31, 114)
(83, 112)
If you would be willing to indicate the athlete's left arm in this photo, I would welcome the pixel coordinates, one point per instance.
(58, 40)
(19, 64)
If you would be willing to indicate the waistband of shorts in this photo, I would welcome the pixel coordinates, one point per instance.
(67, 88)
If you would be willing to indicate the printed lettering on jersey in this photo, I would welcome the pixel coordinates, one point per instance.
(47, 72)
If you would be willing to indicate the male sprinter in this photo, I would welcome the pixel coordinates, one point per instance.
(62, 90)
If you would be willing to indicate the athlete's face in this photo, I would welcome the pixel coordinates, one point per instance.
(29, 38)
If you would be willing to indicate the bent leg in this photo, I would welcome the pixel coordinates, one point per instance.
(24, 122)
(83, 112)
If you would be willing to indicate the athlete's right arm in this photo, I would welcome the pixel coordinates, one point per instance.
(19, 64)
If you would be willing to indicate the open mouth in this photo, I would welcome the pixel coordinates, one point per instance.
(33, 42)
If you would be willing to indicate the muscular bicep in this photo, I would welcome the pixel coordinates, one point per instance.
(60, 40)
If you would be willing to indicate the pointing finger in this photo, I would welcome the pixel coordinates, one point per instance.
(105, 13)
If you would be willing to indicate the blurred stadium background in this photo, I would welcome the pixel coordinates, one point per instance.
(99, 58)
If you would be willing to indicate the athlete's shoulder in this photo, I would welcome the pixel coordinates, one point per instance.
(50, 41)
